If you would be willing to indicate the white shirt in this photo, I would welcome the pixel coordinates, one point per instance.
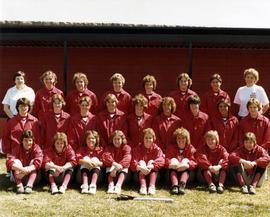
(13, 94)
(244, 94)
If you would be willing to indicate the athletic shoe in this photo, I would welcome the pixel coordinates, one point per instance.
(175, 189)
(143, 190)
(92, 189)
(117, 189)
(54, 189)
(220, 189)
(62, 189)
(152, 190)
(181, 189)
(212, 188)
(84, 188)
(110, 189)
(252, 189)
(244, 189)
(20, 189)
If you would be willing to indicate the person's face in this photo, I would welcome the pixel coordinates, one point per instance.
(27, 143)
(91, 141)
(148, 140)
(253, 110)
(80, 84)
(19, 80)
(183, 84)
(223, 109)
(139, 108)
(111, 105)
(249, 144)
(167, 108)
(57, 106)
(181, 141)
(59, 145)
(149, 87)
(194, 108)
(85, 107)
(117, 141)
(117, 85)
(250, 80)
(49, 81)
(211, 142)
(215, 85)
(23, 110)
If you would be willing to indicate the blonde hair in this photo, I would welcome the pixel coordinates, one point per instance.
(186, 76)
(48, 73)
(111, 96)
(80, 75)
(150, 78)
(59, 97)
(182, 132)
(118, 76)
(60, 136)
(253, 72)
(169, 100)
(140, 100)
(249, 136)
(254, 101)
(95, 134)
(86, 99)
(212, 134)
(121, 134)
(149, 131)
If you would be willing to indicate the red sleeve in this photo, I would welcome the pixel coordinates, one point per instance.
(47, 157)
(234, 157)
(225, 158)
(135, 158)
(264, 158)
(126, 156)
(10, 160)
(159, 160)
(266, 141)
(6, 139)
(190, 155)
(71, 157)
(107, 157)
(72, 135)
(202, 159)
(38, 157)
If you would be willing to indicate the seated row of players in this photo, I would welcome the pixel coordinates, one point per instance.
(248, 162)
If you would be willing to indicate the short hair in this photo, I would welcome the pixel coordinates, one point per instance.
(86, 99)
(27, 134)
(23, 101)
(216, 76)
(182, 132)
(60, 136)
(140, 100)
(170, 101)
(249, 136)
(150, 78)
(111, 96)
(95, 134)
(212, 134)
(149, 131)
(48, 73)
(80, 75)
(18, 74)
(193, 99)
(118, 76)
(253, 72)
(59, 97)
(254, 101)
(186, 76)
(121, 134)
(224, 101)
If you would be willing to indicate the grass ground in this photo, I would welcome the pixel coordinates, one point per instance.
(196, 202)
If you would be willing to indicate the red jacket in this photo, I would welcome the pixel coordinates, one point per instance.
(34, 154)
(78, 127)
(210, 100)
(84, 151)
(136, 126)
(14, 129)
(197, 127)
(206, 157)
(146, 154)
(121, 155)
(181, 101)
(60, 159)
(43, 101)
(227, 131)
(73, 101)
(257, 154)
(50, 125)
(174, 152)
(124, 101)
(106, 124)
(154, 101)
(164, 128)
(259, 126)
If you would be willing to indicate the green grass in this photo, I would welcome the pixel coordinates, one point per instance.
(196, 202)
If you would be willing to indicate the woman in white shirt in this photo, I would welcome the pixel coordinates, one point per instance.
(251, 90)
(20, 90)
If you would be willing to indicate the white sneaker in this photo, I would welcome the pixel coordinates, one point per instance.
(54, 189)
(152, 190)
(92, 189)
(84, 188)
(62, 189)
(117, 189)
(110, 189)
(143, 190)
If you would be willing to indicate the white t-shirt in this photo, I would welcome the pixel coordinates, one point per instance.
(13, 94)
(245, 93)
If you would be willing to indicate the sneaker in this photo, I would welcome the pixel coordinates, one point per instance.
(252, 189)
(20, 189)
(117, 189)
(143, 190)
(28, 189)
(181, 189)
(175, 189)
(212, 188)
(62, 189)
(110, 189)
(92, 189)
(152, 190)
(84, 188)
(220, 189)
(54, 189)
(244, 189)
